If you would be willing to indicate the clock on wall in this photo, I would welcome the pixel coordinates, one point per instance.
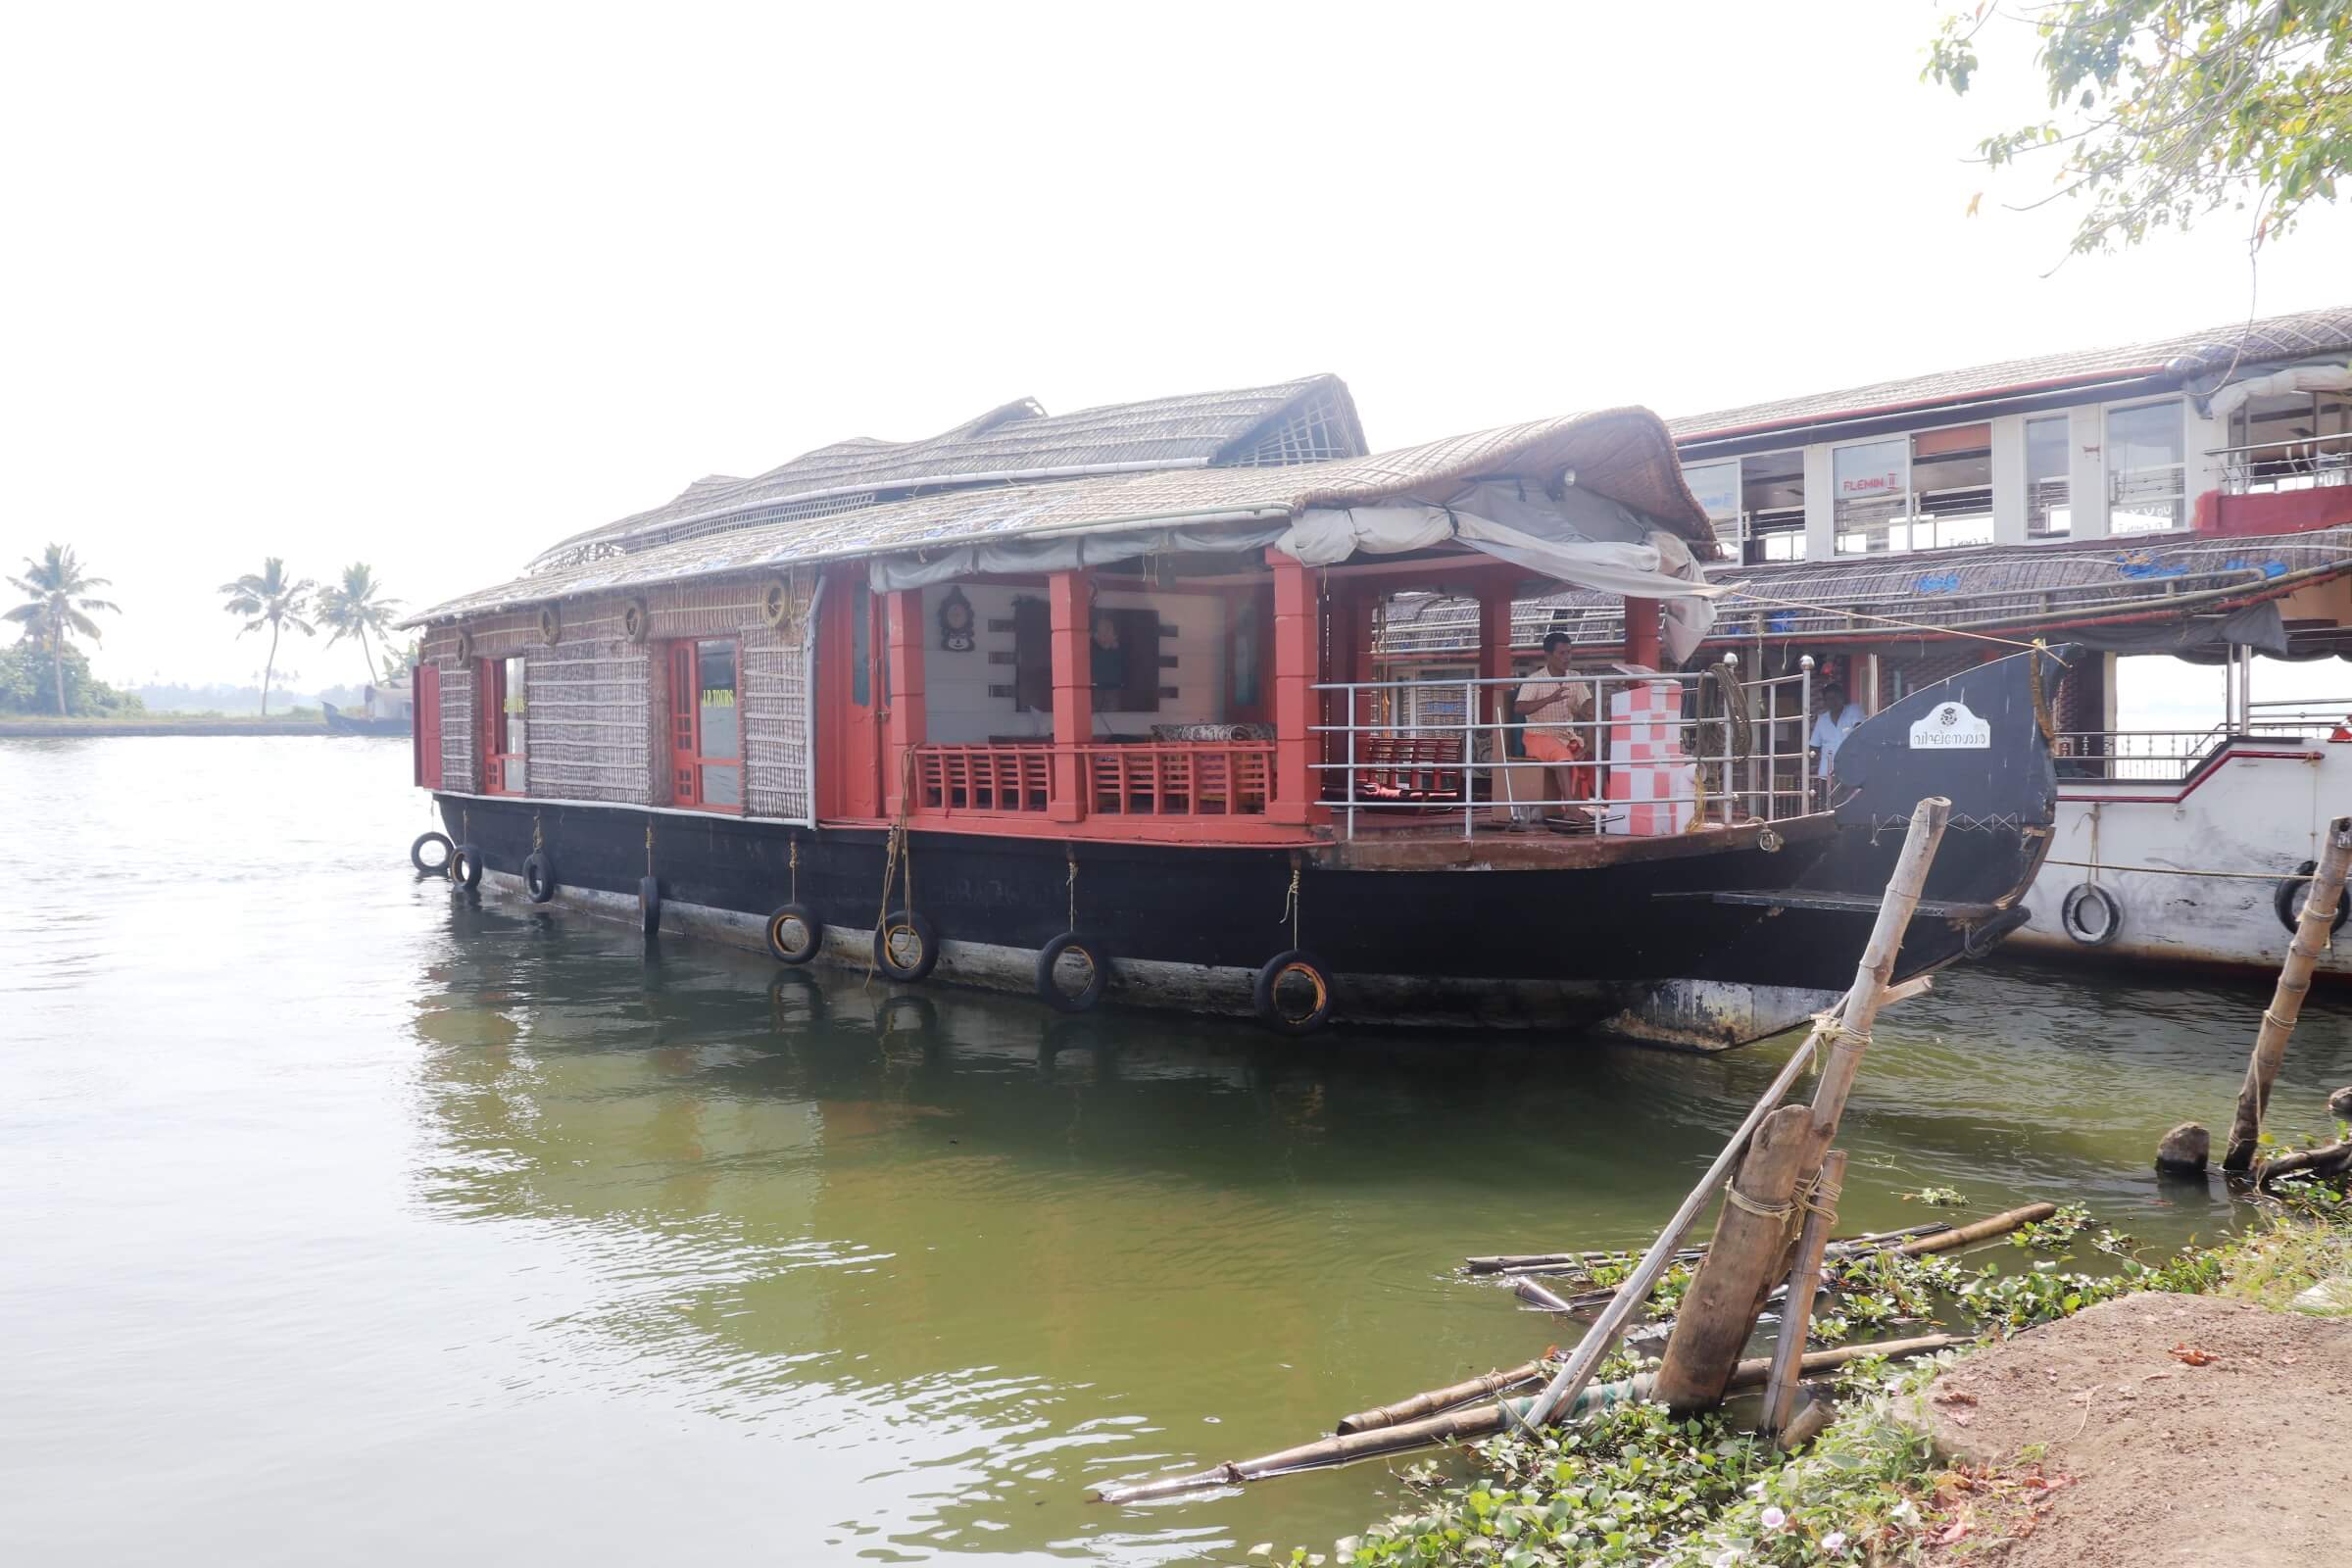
(955, 622)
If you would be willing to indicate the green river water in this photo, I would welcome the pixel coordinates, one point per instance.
(347, 1220)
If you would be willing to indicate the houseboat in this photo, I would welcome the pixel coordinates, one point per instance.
(1087, 704)
(2185, 504)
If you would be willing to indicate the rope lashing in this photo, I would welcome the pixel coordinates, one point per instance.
(1291, 909)
(1073, 859)
(537, 843)
(2042, 697)
(1777, 1214)
(796, 871)
(649, 846)
(1830, 1029)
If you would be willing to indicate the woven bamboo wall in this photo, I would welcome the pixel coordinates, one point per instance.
(598, 704)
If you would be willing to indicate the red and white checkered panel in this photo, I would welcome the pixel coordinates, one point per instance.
(1647, 766)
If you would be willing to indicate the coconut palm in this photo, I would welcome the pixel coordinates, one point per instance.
(352, 608)
(269, 598)
(55, 608)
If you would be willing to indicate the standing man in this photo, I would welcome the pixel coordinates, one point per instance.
(1830, 726)
(1551, 705)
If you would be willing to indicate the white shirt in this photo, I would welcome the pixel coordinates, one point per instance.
(1829, 732)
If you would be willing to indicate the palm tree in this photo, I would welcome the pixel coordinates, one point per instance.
(351, 609)
(267, 598)
(58, 594)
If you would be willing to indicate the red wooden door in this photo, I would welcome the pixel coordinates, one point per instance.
(849, 739)
(425, 724)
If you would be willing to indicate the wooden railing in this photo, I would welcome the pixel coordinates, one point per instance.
(1180, 778)
(1002, 779)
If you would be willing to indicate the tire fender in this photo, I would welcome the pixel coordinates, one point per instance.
(908, 927)
(437, 867)
(2287, 900)
(1097, 962)
(2090, 914)
(465, 866)
(649, 904)
(791, 917)
(539, 877)
(1266, 994)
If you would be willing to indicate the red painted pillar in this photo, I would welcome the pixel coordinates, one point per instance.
(1296, 650)
(908, 721)
(1071, 613)
(1641, 632)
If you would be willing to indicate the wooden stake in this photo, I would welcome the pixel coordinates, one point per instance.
(1719, 1309)
(2320, 899)
(1804, 1280)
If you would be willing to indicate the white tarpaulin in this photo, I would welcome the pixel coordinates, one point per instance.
(1582, 540)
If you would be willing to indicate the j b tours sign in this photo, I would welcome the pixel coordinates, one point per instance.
(1952, 727)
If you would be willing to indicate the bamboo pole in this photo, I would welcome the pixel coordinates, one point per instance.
(1535, 1294)
(1967, 1234)
(1479, 1421)
(1751, 1240)
(2312, 931)
(1804, 1280)
(1575, 1263)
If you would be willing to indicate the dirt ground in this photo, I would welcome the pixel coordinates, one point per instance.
(2151, 1430)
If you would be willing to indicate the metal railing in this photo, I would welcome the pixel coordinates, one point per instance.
(2304, 462)
(2169, 755)
(1648, 755)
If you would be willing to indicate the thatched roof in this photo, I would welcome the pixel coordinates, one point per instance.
(2013, 589)
(2170, 360)
(1622, 453)
(1291, 421)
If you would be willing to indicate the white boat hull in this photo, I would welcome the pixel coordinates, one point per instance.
(2193, 864)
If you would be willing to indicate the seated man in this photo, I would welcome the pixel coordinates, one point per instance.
(1552, 707)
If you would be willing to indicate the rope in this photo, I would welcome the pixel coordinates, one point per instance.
(1827, 1026)
(897, 862)
(1073, 856)
(649, 846)
(1777, 1214)
(796, 871)
(1818, 1197)
(536, 843)
(1291, 909)
(2167, 871)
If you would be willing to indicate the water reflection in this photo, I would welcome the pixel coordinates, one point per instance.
(449, 1226)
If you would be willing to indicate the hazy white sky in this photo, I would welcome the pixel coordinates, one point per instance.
(430, 286)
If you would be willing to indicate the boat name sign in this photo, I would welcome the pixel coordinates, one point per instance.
(1951, 726)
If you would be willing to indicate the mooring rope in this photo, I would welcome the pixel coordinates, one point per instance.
(897, 862)
(796, 871)
(2167, 871)
(1291, 907)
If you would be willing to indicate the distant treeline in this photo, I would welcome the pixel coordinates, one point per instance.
(175, 697)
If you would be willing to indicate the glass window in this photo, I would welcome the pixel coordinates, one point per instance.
(510, 732)
(2049, 513)
(2145, 475)
(1951, 478)
(1772, 494)
(1872, 495)
(718, 724)
(1716, 488)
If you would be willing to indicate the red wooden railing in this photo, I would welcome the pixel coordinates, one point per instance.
(992, 780)
(1181, 778)
(1160, 779)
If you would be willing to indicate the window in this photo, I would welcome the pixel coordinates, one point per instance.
(1873, 483)
(1756, 503)
(2289, 441)
(2049, 446)
(705, 723)
(2145, 474)
(505, 729)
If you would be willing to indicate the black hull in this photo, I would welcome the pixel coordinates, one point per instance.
(1676, 946)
